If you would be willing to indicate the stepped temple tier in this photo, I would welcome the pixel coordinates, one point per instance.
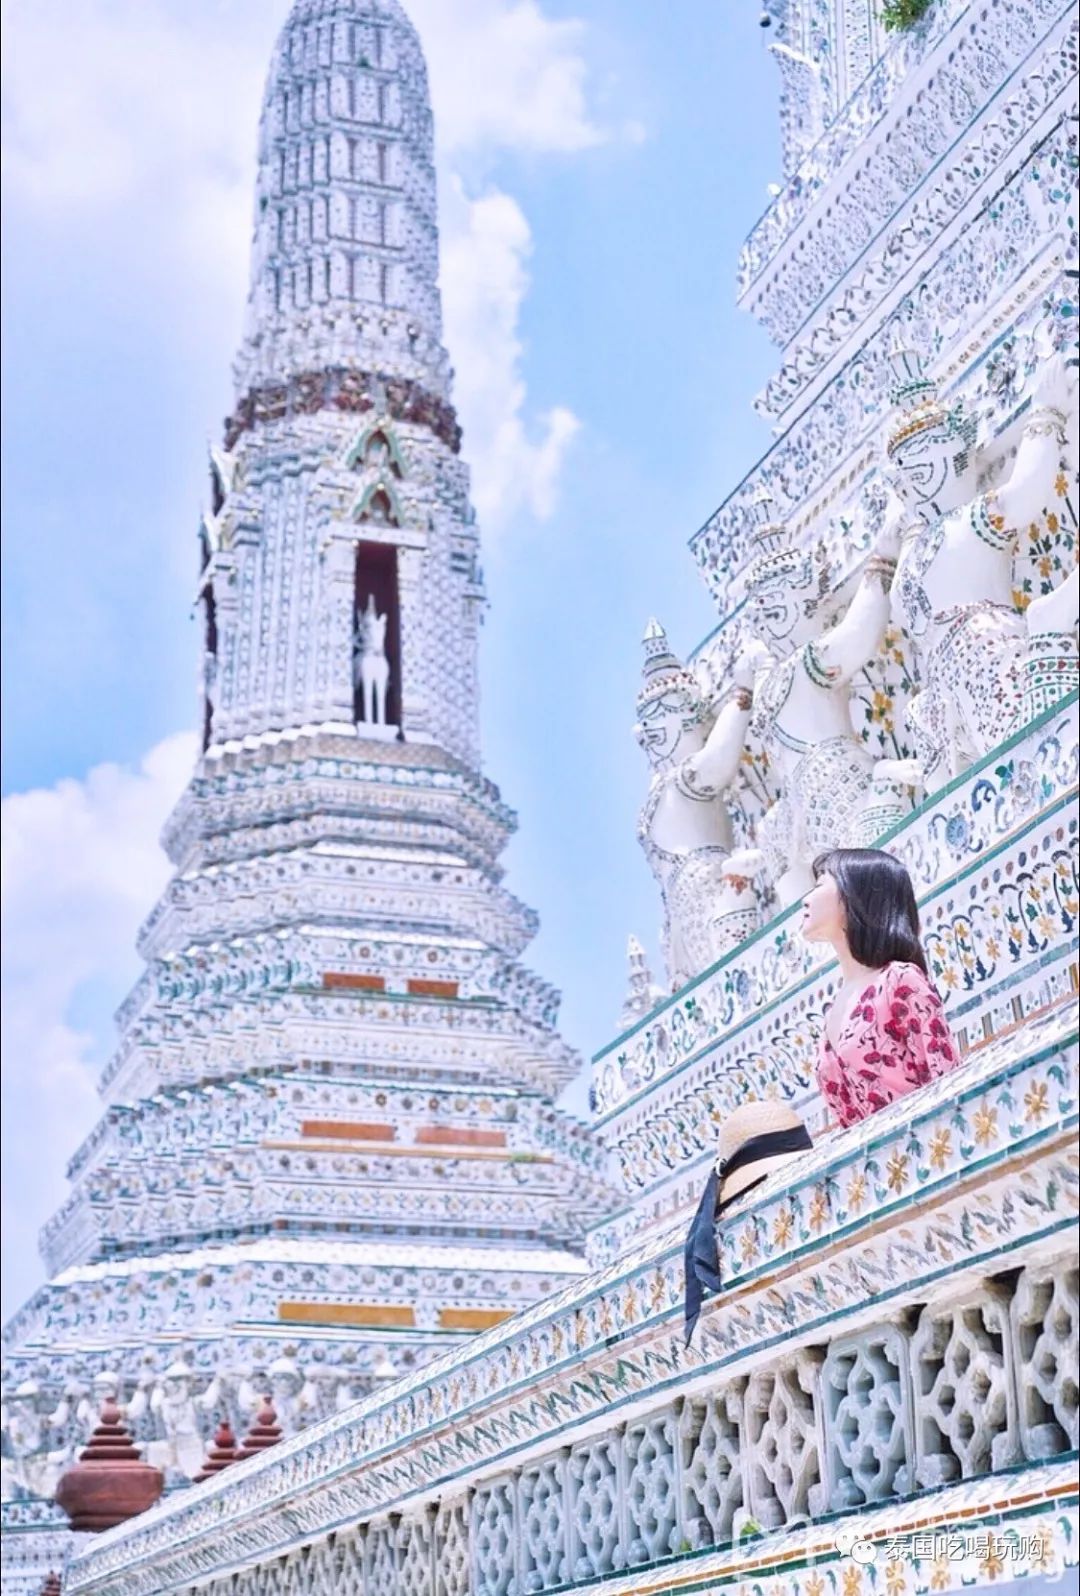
(328, 1146)
(330, 1172)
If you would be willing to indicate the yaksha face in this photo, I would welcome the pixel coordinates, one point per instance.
(285, 1378)
(671, 706)
(930, 448)
(783, 586)
(26, 1425)
(778, 605)
(175, 1381)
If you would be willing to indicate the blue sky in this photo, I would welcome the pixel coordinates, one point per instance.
(599, 165)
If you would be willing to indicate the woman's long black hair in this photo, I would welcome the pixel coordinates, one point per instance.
(882, 915)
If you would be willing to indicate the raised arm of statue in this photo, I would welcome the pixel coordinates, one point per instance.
(1030, 486)
(851, 644)
(143, 1399)
(717, 764)
(1058, 611)
(210, 1399)
(248, 1396)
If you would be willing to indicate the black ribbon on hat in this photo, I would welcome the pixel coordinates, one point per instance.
(701, 1257)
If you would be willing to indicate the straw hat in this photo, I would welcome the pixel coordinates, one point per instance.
(739, 1146)
(743, 1124)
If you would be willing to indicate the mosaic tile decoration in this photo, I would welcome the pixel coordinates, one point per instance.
(942, 1182)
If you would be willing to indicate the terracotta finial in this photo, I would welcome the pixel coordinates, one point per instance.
(221, 1453)
(266, 1431)
(110, 1483)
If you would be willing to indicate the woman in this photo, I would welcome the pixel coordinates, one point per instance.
(885, 1033)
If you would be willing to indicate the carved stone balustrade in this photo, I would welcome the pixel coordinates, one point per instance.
(898, 1324)
(36, 1539)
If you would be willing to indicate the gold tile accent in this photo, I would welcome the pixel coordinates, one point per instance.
(472, 1318)
(366, 1315)
(352, 1130)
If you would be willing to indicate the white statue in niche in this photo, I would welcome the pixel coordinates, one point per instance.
(953, 593)
(210, 686)
(182, 1418)
(829, 796)
(29, 1466)
(293, 1398)
(684, 827)
(371, 668)
(1051, 667)
(105, 1386)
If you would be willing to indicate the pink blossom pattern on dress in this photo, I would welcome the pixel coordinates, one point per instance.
(895, 1039)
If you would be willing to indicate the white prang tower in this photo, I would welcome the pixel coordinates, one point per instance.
(329, 1144)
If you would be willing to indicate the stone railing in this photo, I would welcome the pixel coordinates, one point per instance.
(36, 1540)
(894, 1317)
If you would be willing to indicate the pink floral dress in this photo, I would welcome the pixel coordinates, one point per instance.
(895, 1039)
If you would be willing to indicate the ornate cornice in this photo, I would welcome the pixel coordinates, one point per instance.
(830, 300)
(928, 86)
(346, 391)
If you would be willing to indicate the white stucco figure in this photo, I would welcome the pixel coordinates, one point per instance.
(108, 1385)
(953, 593)
(383, 1369)
(371, 666)
(1051, 667)
(827, 794)
(223, 466)
(184, 1422)
(294, 1399)
(349, 1389)
(684, 826)
(33, 1450)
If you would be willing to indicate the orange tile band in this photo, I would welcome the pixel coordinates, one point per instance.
(424, 988)
(348, 1130)
(472, 1318)
(354, 982)
(367, 1315)
(455, 1136)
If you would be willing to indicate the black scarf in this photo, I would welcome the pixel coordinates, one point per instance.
(702, 1260)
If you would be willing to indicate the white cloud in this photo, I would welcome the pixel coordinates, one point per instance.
(82, 866)
(131, 125)
(138, 117)
(484, 281)
(505, 76)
